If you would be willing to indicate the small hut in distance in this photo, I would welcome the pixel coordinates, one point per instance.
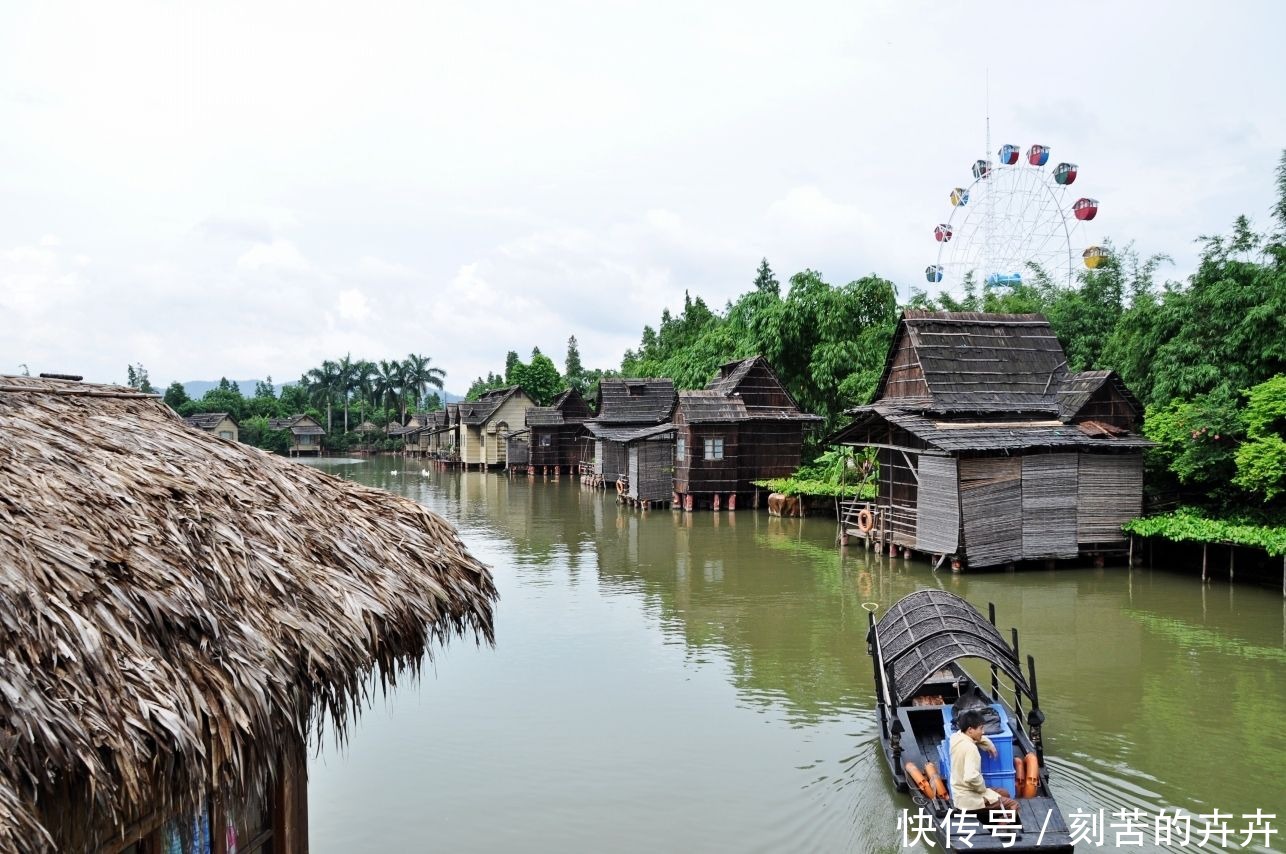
(553, 432)
(742, 427)
(629, 410)
(179, 611)
(989, 451)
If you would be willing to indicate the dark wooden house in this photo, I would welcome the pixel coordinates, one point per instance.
(625, 407)
(554, 432)
(743, 426)
(989, 451)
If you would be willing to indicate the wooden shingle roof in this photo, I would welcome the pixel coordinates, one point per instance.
(1077, 389)
(635, 401)
(206, 420)
(976, 362)
(475, 412)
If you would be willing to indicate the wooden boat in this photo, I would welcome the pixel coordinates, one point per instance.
(920, 687)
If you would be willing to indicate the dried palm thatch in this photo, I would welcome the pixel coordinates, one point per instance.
(175, 606)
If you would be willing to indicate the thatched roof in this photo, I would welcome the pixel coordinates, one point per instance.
(173, 607)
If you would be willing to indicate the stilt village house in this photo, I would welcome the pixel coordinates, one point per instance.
(178, 613)
(744, 426)
(629, 411)
(220, 424)
(486, 421)
(989, 450)
(305, 434)
(552, 434)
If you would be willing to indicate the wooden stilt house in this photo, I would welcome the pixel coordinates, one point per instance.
(989, 451)
(486, 421)
(744, 426)
(624, 406)
(180, 612)
(220, 424)
(554, 432)
(305, 434)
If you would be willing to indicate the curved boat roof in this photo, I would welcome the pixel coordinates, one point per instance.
(926, 630)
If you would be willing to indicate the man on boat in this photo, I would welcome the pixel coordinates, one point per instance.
(968, 787)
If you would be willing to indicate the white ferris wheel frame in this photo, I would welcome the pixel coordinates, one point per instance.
(1032, 224)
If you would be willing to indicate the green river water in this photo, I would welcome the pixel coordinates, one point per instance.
(699, 682)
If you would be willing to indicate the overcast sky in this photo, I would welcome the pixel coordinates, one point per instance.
(244, 189)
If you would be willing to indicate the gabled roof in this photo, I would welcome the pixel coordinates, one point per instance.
(977, 362)
(207, 420)
(635, 401)
(1077, 389)
(475, 412)
(707, 406)
(299, 425)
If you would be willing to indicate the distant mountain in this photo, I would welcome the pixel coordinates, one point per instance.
(196, 389)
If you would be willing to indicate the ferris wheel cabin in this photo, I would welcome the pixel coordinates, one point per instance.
(942, 233)
(933, 273)
(1009, 154)
(981, 168)
(1038, 155)
(959, 197)
(1094, 256)
(1085, 209)
(1065, 173)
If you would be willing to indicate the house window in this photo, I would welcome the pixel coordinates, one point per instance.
(225, 434)
(714, 449)
(637, 390)
(680, 448)
(544, 441)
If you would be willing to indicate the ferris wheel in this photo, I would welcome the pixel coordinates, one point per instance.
(1016, 218)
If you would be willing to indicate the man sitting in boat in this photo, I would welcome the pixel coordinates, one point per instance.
(968, 787)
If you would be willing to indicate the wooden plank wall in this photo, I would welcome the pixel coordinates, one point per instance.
(938, 521)
(710, 477)
(1109, 493)
(612, 460)
(652, 470)
(769, 449)
(1049, 506)
(991, 501)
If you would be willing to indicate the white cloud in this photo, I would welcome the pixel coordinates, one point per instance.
(353, 306)
(279, 254)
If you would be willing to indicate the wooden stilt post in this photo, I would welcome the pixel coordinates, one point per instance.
(1232, 561)
(1130, 559)
(732, 501)
(1204, 547)
(716, 501)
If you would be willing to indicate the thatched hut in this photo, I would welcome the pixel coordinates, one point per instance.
(178, 613)
(989, 450)
(742, 427)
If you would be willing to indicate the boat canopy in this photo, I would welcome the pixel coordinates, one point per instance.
(926, 630)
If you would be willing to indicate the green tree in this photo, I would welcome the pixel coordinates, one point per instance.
(389, 385)
(420, 375)
(574, 371)
(765, 280)
(1261, 459)
(323, 387)
(176, 396)
(136, 377)
(540, 378)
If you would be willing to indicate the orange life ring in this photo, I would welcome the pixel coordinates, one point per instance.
(1031, 783)
(865, 521)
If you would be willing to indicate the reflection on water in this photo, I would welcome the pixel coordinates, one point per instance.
(700, 682)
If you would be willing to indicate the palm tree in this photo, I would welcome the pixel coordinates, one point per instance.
(388, 383)
(419, 375)
(364, 373)
(323, 384)
(346, 371)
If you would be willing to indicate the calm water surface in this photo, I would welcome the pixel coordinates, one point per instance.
(699, 682)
